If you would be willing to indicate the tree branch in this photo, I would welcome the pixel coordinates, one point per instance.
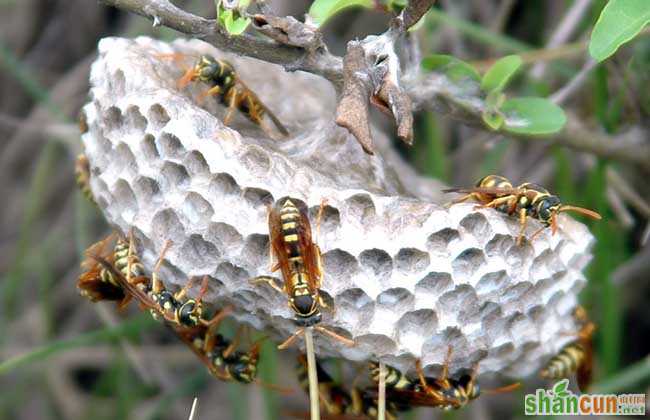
(313, 60)
(298, 46)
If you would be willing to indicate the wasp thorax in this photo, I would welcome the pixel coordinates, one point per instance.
(190, 313)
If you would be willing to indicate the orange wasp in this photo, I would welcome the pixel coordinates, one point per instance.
(231, 91)
(299, 260)
(576, 356)
(444, 392)
(99, 283)
(96, 283)
(527, 200)
(217, 353)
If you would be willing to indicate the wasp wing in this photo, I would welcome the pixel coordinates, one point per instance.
(584, 372)
(497, 191)
(261, 104)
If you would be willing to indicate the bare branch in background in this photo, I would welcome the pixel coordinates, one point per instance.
(563, 32)
(414, 12)
(433, 91)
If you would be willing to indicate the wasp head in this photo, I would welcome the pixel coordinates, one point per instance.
(306, 308)
(547, 208)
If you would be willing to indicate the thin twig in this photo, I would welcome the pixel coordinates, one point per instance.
(381, 401)
(502, 15)
(193, 409)
(315, 59)
(574, 84)
(314, 400)
(564, 30)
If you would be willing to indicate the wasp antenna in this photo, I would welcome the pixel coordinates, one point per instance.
(582, 210)
(165, 248)
(507, 388)
(284, 390)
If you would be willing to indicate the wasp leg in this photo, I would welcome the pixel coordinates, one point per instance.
(537, 232)
(445, 367)
(335, 336)
(157, 285)
(495, 203)
(218, 317)
(423, 382)
(213, 91)
(272, 281)
(522, 222)
(180, 295)
(232, 105)
(233, 344)
(291, 339)
(319, 216)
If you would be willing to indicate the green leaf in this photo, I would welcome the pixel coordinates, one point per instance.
(451, 66)
(493, 119)
(619, 22)
(321, 10)
(532, 116)
(498, 76)
(231, 20)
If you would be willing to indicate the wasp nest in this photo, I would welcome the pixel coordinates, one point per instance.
(405, 277)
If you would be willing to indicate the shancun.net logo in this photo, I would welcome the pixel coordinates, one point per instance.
(561, 401)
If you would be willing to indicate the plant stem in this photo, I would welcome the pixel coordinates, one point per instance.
(381, 402)
(314, 402)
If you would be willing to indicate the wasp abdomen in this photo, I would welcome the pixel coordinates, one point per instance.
(565, 362)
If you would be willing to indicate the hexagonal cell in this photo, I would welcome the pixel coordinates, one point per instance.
(201, 253)
(362, 208)
(134, 120)
(411, 260)
(157, 116)
(468, 262)
(197, 209)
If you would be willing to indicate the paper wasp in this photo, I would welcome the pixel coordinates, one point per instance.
(219, 354)
(82, 176)
(225, 83)
(527, 200)
(96, 282)
(150, 292)
(444, 392)
(299, 260)
(576, 356)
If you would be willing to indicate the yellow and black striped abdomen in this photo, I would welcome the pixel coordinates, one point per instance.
(121, 254)
(290, 219)
(566, 362)
(395, 379)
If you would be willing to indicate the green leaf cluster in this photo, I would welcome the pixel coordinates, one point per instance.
(527, 115)
(232, 19)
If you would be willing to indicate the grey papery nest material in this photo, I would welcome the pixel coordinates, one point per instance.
(405, 277)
